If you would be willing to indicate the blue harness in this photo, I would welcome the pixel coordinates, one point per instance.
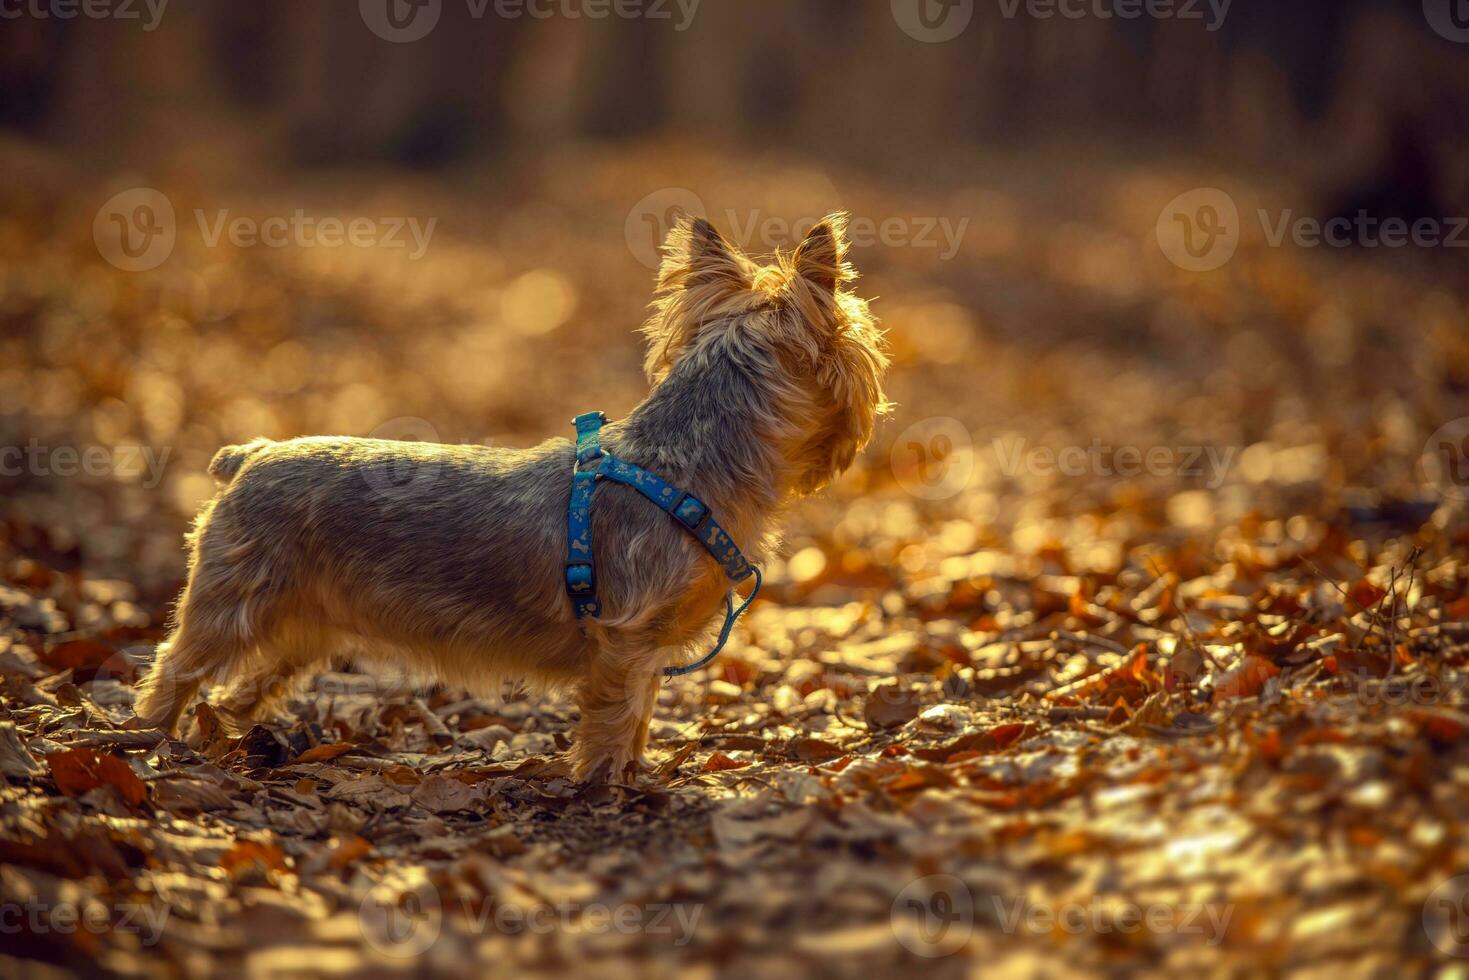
(592, 465)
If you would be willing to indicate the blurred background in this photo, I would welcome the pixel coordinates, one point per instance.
(1147, 405)
(1009, 164)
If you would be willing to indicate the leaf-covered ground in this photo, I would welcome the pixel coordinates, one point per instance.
(1193, 700)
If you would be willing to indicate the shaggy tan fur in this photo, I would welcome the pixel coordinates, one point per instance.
(447, 560)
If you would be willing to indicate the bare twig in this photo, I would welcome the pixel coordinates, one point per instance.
(1087, 639)
(1188, 628)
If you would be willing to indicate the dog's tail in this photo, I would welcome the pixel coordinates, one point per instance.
(227, 462)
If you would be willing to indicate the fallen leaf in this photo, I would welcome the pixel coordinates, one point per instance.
(810, 749)
(349, 852)
(248, 856)
(719, 762)
(325, 752)
(891, 706)
(190, 796)
(444, 794)
(16, 762)
(78, 771)
(1245, 679)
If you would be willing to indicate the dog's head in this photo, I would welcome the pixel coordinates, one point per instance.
(798, 317)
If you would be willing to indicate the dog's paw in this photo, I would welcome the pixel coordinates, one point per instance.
(137, 723)
(607, 767)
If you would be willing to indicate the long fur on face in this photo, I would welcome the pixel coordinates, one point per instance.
(799, 307)
(766, 382)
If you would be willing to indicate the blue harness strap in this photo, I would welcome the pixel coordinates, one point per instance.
(690, 512)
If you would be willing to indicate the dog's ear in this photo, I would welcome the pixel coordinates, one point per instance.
(695, 254)
(821, 258)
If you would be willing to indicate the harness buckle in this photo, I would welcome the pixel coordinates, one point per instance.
(581, 580)
(690, 511)
(589, 420)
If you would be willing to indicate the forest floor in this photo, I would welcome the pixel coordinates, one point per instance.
(1136, 642)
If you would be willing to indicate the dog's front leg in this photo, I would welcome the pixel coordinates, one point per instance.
(616, 698)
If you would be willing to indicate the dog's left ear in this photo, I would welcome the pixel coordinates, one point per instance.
(696, 254)
(821, 258)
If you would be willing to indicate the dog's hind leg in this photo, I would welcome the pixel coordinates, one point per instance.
(204, 642)
(271, 675)
(257, 694)
(216, 626)
(616, 698)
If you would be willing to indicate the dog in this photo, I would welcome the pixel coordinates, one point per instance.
(766, 381)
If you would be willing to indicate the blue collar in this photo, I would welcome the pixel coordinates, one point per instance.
(592, 465)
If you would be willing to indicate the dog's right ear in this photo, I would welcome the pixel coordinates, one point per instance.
(701, 277)
(694, 254)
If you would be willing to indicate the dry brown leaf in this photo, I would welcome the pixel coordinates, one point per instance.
(77, 771)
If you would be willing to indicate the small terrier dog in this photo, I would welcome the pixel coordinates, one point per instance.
(766, 382)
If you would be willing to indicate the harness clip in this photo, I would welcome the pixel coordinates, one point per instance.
(581, 580)
(690, 511)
